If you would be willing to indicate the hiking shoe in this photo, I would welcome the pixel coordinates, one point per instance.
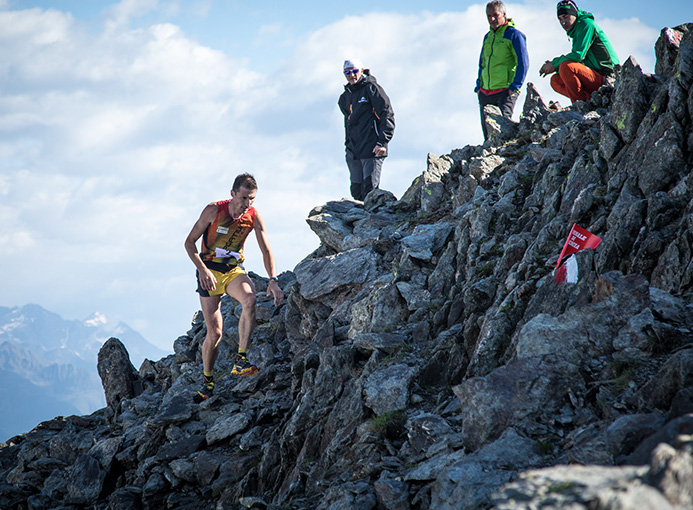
(204, 393)
(243, 367)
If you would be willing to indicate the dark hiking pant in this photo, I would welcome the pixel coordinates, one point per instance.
(504, 100)
(364, 174)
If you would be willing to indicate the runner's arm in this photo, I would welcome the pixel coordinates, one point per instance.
(207, 280)
(268, 259)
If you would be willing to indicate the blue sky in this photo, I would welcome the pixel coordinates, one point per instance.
(119, 121)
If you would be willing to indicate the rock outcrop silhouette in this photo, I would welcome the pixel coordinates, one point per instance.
(425, 357)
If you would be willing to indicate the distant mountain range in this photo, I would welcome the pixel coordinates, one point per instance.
(48, 364)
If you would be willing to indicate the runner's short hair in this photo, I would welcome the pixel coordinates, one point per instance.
(244, 180)
(496, 3)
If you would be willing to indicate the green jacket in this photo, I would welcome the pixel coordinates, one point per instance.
(504, 60)
(591, 46)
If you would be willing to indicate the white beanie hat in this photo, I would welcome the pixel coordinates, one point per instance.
(352, 63)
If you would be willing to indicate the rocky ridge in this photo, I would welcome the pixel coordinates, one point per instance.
(425, 357)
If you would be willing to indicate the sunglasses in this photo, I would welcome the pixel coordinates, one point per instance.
(351, 71)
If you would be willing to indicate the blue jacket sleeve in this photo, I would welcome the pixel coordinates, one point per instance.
(481, 56)
(520, 46)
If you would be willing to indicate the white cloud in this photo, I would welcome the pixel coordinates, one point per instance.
(16, 243)
(119, 15)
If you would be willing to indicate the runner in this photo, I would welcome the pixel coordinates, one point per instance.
(224, 227)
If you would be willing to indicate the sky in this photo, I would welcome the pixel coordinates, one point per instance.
(120, 121)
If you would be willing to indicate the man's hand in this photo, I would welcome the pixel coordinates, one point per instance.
(379, 150)
(207, 280)
(547, 68)
(276, 291)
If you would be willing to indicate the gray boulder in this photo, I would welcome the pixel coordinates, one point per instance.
(119, 378)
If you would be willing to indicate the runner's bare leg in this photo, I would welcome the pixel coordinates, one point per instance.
(211, 310)
(242, 290)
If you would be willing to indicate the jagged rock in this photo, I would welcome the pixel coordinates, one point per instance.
(350, 496)
(386, 342)
(380, 309)
(378, 199)
(227, 427)
(540, 153)
(534, 113)
(585, 177)
(499, 129)
(153, 492)
(662, 147)
(584, 332)
(119, 378)
(630, 101)
(480, 167)
(432, 186)
(105, 450)
(66, 447)
(480, 295)
(628, 431)
(391, 494)
(414, 295)
(176, 408)
(426, 357)
(685, 57)
(556, 119)
(318, 277)
(180, 449)
(467, 483)
(387, 390)
(580, 486)
(667, 49)
(671, 473)
(676, 375)
(86, 479)
(124, 499)
(331, 230)
(425, 430)
(557, 135)
(371, 229)
(609, 142)
(426, 240)
(182, 349)
(448, 361)
(670, 434)
(594, 445)
(523, 390)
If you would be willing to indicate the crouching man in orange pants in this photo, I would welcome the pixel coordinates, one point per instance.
(591, 59)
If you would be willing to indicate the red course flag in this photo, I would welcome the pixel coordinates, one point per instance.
(578, 239)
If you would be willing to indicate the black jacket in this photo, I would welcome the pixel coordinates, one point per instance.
(368, 116)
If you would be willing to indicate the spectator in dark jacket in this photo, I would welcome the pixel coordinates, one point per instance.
(369, 123)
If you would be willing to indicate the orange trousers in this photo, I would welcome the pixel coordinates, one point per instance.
(576, 81)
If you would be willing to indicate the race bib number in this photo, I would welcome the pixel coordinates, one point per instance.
(226, 254)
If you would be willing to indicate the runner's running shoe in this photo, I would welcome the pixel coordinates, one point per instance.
(204, 393)
(243, 367)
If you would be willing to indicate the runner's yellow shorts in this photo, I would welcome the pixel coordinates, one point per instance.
(223, 279)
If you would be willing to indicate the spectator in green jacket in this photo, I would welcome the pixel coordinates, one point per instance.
(503, 63)
(591, 60)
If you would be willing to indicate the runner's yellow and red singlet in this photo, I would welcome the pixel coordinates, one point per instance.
(223, 240)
